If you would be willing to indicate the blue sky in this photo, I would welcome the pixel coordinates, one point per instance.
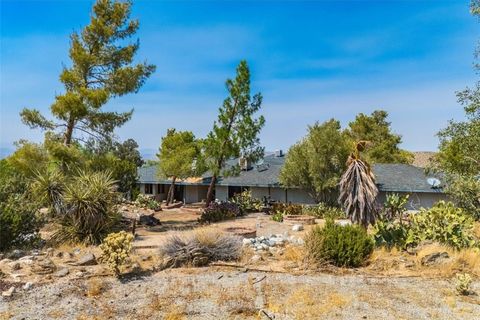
(311, 60)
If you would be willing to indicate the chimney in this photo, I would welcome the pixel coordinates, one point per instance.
(244, 163)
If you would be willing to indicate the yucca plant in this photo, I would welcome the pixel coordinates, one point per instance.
(358, 191)
(48, 188)
(90, 214)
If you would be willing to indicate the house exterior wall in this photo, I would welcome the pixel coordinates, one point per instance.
(277, 194)
(221, 193)
(416, 200)
(195, 193)
(299, 196)
(259, 192)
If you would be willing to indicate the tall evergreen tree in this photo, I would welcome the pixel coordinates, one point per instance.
(102, 68)
(177, 155)
(235, 133)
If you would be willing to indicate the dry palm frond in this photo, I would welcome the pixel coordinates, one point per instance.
(358, 192)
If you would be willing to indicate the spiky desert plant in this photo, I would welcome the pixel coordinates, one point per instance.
(90, 214)
(358, 191)
(48, 187)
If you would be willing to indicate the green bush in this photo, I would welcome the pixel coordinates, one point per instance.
(465, 193)
(390, 234)
(444, 223)
(19, 223)
(116, 248)
(246, 202)
(324, 211)
(280, 209)
(218, 211)
(342, 246)
(146, 202)
(394, 206)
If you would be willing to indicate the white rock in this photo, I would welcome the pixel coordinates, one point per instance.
(26, 258)
(27, 286)
(255, 258)
(297, 227)
(247, 241)
(9, 292)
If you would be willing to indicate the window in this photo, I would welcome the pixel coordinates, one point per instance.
(161, 188)
(148, 188)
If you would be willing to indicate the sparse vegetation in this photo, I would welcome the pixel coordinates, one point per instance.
(146, 202)
(199, 249)
(246, 202)
(324, 211)
(88, 209)
(463, 284)
(116, 248)
(342, 246)
(443, 223)
(218, 211)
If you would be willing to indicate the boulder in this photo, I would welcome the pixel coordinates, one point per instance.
(61, 273)
(9, 292)
(297, 227)
(15, 265)
(148, 220)
(87, 260)
(434, 258)
(45, 266)
(15, 254)
(27, 286)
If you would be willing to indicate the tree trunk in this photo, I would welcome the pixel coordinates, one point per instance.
(210, 190)
(69, 132)
(171, 191)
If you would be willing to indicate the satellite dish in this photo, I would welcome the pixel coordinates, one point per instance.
(434, 182)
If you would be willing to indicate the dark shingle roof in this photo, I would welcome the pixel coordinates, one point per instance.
(389, 177)
(402, 178)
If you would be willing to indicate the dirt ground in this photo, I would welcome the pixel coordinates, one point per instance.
(395, 285)
(213, 293)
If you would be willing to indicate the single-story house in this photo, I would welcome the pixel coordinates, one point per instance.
(262, 180)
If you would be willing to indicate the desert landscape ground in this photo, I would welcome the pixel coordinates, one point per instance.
(264, 284)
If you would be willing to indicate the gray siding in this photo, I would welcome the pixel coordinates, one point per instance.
(417, 200)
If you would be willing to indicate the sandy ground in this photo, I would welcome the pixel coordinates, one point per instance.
(283, 290)
(213, 293)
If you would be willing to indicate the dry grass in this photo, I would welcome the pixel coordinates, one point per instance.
(394, 262)
(96, 287)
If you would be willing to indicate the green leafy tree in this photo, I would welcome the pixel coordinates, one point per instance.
(177, 155)
(101, 69)
(316, 163)
(29, 158)
(384, 144)
(120, 158)
(235, 133)
(459, 149)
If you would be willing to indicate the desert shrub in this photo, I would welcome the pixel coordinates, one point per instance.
(324, 211)
(394, 206)
(465, 193)
(390, 234)
(218, 211)
(116, 248)
(246, 202)
(463, 282)
(443, 223)
(199, 249)
(342, 246)
(146, 202)
(280, 209)
(90, 212)
(19, 222)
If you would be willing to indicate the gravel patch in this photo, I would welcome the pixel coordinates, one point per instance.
(207, 293)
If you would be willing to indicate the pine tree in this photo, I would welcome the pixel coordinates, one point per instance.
(236, 130)
(101, 69)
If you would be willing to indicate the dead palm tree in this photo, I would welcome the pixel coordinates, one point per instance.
(358, 191)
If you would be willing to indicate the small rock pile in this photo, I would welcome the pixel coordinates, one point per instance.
(273, 241)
